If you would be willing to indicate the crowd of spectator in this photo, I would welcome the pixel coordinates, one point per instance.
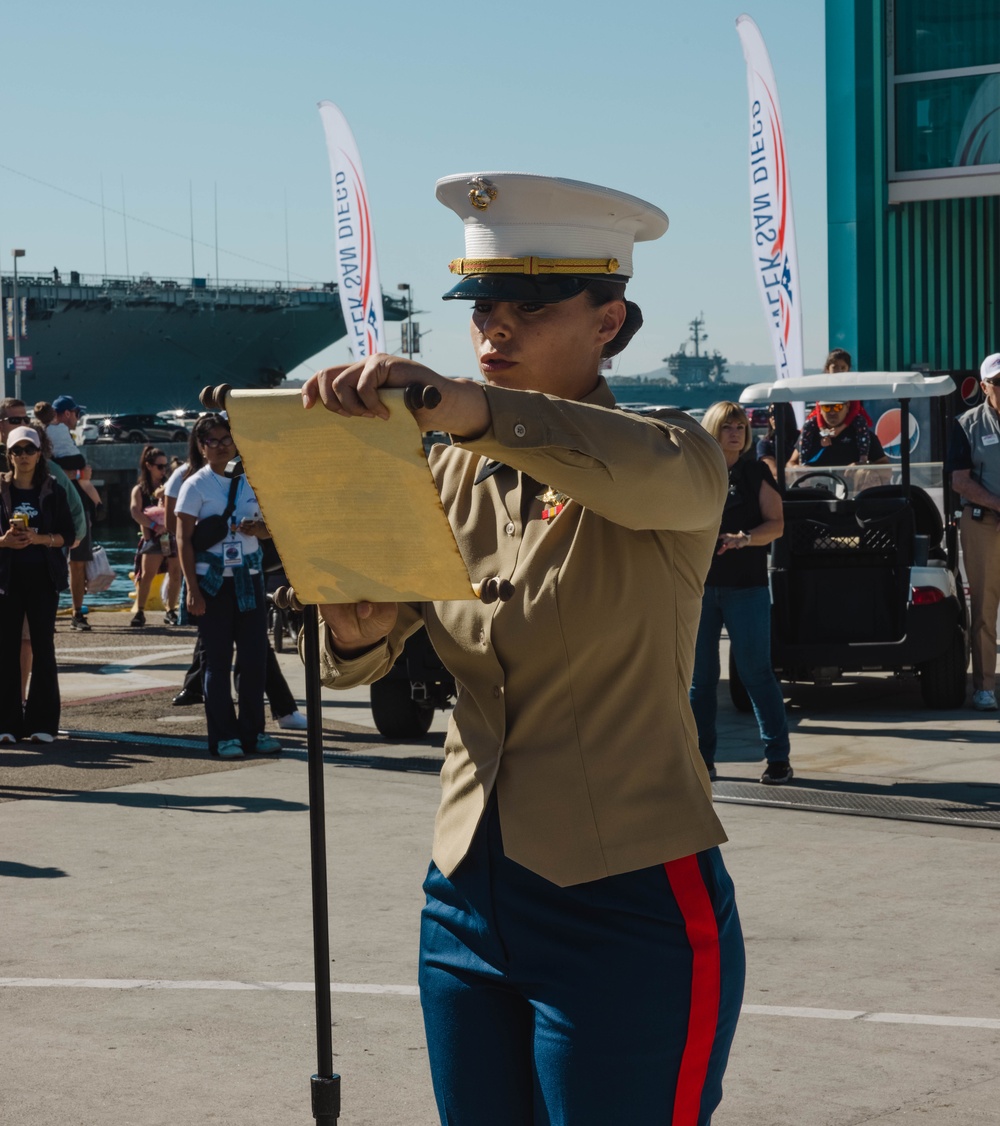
(48, 506)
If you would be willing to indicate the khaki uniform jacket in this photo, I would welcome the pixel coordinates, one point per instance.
(573, 696)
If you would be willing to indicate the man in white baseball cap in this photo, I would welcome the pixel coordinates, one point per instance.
(974, 464)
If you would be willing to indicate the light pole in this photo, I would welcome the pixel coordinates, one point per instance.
(409, 318)
(15, 254)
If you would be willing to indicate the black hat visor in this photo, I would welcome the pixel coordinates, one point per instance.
(546, 289)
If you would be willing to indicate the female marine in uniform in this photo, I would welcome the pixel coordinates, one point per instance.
(581, 954)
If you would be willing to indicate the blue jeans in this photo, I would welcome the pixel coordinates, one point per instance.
(746, 614)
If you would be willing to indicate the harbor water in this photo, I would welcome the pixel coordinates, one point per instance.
(119, 542)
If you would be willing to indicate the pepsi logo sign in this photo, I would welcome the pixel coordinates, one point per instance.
(888, 431)
(970, 390)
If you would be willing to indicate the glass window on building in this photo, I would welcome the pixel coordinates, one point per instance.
(934, 35)
(944, 90)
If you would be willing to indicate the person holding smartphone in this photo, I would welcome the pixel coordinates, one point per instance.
(218, 528)
(35, 525)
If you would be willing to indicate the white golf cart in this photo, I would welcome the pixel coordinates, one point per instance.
(865, 577)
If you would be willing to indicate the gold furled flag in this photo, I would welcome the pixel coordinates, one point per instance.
(350, 502)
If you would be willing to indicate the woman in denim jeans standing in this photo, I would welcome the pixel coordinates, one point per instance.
(736, 596)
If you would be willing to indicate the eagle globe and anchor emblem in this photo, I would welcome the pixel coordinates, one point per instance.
(482, 192)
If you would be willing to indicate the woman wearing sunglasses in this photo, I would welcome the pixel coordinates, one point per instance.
(35, 524)
(225, 588)
(581, 958)
(838, 433)
(155, 543)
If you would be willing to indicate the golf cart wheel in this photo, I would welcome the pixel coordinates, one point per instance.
(737, 690)
(396, 713)
(942, 679)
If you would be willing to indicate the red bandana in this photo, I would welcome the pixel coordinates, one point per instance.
(854, 409)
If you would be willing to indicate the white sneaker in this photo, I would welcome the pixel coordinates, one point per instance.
(45, 737)
(984, 700)
(294, 721)
(6, 737)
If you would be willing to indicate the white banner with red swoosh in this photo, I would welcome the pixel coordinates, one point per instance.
(775, 260)
(357, 267)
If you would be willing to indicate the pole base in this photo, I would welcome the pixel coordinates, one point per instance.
(325, 1099)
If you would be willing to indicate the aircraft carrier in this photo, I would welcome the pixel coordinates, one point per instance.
(120, 344)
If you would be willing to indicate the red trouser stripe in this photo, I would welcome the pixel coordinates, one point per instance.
(692, 897)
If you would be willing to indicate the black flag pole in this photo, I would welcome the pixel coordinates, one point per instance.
(325, 1085)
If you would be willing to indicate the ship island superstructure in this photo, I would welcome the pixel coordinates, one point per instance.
(698, 368)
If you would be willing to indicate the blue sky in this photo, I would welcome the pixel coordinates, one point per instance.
(218, 100)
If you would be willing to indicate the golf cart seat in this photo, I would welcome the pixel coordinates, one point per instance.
(852, 556)
(926, 517)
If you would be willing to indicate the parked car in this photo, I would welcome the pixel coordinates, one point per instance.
(141, 428)
(88, 428)
(866, 574)
(758, 420)
(186, 418)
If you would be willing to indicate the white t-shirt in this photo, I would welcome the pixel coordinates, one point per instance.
(173, 486)
(62, 440)
(206, 493)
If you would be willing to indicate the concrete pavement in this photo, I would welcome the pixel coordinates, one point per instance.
(154, 907)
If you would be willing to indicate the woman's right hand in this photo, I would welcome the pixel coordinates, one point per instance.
(358, 625)
(15, 537)
(195, 602)
(353, 390)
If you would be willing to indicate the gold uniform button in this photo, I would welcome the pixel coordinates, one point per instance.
(510, 529)
(496, 691)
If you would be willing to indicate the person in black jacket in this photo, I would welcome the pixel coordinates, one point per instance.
(736, 596)
(35, 525)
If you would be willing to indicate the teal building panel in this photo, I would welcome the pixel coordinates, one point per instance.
(910, 283)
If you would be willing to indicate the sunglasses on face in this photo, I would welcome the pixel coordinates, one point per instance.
(157, 464)
(832, 408)
(23, 451)
(15, 419)
(994, 382)
(212, 443)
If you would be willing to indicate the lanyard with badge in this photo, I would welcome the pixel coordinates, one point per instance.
(232, 545)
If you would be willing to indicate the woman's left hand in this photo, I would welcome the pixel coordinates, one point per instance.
(254, 528)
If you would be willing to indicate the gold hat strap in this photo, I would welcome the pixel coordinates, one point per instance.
(534, 266)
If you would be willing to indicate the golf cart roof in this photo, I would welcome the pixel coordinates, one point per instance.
(847, 385)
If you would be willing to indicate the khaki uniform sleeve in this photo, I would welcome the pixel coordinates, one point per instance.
(342, 672)
(639, 472)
